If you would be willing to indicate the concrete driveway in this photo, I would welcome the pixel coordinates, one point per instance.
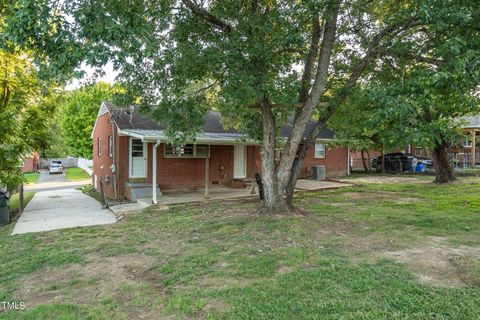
(50, 182)
(45, 176)
(60, 209)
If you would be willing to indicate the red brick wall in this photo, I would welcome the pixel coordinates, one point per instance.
(102, 163)
(335, 162)
(357, 158)
(121, 159)
(174, 173)
(28, 165)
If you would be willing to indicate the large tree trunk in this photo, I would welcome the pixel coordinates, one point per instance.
(369, 161)
(295, 172)
(304, 115)
(278, 182)
(365, 166)
(274, 200)
(443, 170)
(357, 70)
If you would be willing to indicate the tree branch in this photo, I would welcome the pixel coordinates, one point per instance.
(207, 16)
(310, 61)
(372, 49)
(428, 60)
(304, 115)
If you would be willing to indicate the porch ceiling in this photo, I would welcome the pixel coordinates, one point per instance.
(203, 137)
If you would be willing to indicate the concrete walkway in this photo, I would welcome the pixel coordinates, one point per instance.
(53, 185)
(171, 197)
(316, 185)
(50, 210)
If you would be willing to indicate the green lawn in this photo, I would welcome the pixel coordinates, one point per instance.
(14, 200)
(76, 173)
(88, 189)
(31, 177)
(406, 250)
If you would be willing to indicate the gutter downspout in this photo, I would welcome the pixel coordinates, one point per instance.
(114, 164)
(154, 173)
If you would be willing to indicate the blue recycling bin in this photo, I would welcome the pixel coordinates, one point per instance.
(420, 167)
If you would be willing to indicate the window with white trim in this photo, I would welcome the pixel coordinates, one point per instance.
(110, 146)
(467, 143)
(186, 151)
(319, 150)
(99, 146)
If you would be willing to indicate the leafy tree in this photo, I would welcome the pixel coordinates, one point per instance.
(362, 122)
(430, 80)
(18, 92)
(264, 60)
(79, 110)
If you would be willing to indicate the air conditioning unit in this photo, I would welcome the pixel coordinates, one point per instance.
(318, 172)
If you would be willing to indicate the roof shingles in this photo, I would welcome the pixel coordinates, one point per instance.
(131, 120)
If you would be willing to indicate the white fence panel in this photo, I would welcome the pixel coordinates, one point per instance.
(86, 165)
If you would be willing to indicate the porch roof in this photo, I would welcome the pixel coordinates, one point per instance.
(130, 120)
(203, 137)
(469, 122)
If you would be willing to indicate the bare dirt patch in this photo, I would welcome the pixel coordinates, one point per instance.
(439, 264)
(84, 283)
(217, 305)
(379, 195)
(384, 179)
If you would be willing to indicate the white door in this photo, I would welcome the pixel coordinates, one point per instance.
(239, 162)
(138, 159)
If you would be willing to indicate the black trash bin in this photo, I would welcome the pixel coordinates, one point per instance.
(4, 208)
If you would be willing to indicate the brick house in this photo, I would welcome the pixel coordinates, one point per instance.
(128, 147)
(29, 163)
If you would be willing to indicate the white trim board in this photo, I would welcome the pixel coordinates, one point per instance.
(103, 109)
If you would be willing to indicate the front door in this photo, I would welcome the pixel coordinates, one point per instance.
(239, 162)
(138, 159)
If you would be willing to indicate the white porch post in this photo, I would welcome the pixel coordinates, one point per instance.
(474, 151)
(207, 173)
(154, 173)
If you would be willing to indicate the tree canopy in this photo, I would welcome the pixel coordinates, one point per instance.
(21, 116)
(259, 61)
(78, 112)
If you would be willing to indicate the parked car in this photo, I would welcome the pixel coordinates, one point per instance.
(428, 163)
(396, 162)
(56, 166)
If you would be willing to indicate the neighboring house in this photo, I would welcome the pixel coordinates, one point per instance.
(357, 161)
(128, 147)
(29, 163)
(465, 153)
(462, 154)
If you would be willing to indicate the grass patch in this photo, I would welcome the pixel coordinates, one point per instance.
(219, 260)
(15, 201)
(88, 190)
(469, 268)
(31, 177)
(76, 173)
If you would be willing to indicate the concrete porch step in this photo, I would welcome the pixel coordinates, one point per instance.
(241, 183)
(122, 209)
(145, 192)
(141, 190)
